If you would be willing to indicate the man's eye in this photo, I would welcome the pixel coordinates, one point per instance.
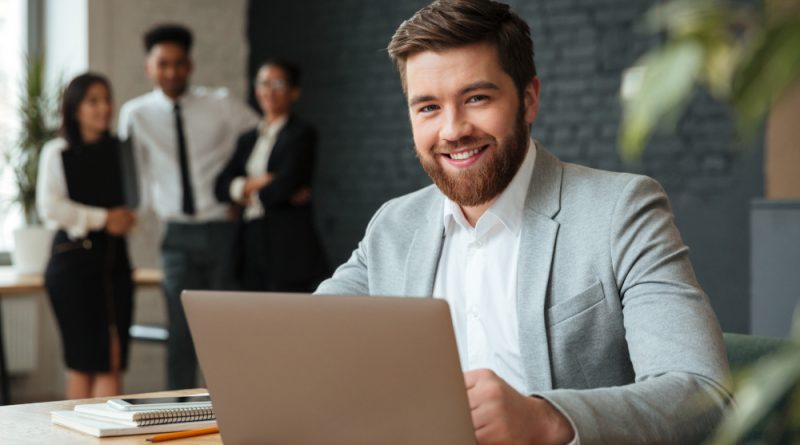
(477, 98)
(428, 108)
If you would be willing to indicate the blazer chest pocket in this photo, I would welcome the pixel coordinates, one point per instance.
(578, 304)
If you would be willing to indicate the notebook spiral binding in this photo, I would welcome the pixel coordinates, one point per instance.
(174, 415)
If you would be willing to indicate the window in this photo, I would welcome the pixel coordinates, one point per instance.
(13, 20)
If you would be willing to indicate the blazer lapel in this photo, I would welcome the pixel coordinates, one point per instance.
(249, 144)
(276, 155)
(424, 252)
(536, 249)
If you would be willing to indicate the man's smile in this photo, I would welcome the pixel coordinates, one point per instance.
(464, 157)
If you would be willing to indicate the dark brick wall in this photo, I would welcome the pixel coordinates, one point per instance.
(353, 95)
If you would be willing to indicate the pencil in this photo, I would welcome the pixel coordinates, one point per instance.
(182, 434)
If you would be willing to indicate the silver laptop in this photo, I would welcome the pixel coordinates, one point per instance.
(301, 369)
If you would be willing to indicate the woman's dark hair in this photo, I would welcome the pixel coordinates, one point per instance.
(71, 100)
(292, 71)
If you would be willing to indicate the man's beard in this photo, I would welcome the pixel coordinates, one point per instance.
(478, 185)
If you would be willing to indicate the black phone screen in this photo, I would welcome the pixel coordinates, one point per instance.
(182, 399)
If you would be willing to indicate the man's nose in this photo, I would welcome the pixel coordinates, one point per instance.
(455, 126)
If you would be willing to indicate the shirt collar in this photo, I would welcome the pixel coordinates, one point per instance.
(273, 128)
(507, 208)
(167, 102)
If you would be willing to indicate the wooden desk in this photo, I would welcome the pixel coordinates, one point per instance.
(13, 283)
(30, 424)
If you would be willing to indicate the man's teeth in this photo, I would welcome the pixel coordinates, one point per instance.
(464, 154)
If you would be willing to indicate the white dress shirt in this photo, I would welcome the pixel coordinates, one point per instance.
(256, 166)
(52, 197)
(212, 121)
(477, 275)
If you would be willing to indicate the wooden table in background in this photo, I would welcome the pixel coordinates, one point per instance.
(12, 282)
(30, 424)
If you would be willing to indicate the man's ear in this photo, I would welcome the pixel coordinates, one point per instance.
(295, 94)
(531, 98)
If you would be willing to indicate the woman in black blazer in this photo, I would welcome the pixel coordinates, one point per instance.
(270, 175)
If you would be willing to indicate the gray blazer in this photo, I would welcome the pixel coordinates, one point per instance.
(614, 328)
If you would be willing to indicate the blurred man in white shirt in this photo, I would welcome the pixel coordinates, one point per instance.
(182, 136)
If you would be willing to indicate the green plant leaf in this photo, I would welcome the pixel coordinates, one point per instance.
(669, 75)
(36, 109)
(768, 69)
(719, 70)
(766, 383)
(681, 18)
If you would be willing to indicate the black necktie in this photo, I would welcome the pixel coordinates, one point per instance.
(183, 156)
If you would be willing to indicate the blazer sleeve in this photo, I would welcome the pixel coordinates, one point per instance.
(295, 171)
(352, 277)
(675, 343)
(234, 168)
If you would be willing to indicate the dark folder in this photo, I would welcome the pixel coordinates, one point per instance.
(130, 180)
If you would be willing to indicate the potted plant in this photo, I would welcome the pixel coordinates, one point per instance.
(747, 57)
(36, 113)
(767, 398)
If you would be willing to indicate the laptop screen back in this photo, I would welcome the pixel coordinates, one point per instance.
(302, 369)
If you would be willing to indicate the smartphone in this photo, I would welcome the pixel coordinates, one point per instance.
(149, 403)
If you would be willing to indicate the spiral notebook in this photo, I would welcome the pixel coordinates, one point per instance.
(100, 420)
(148, 417)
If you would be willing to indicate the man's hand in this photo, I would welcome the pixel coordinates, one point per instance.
(119, 220)
(501, 415)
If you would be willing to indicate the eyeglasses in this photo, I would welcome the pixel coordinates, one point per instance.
(273, 84)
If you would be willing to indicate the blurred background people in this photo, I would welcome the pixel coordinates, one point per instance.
(182, 136)
(88, 278)
(270, 175)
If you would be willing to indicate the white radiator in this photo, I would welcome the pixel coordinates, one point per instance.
(20, 332)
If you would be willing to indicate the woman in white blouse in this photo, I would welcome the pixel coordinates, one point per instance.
(88, 277)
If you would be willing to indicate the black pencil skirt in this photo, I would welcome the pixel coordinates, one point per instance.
(90, 286)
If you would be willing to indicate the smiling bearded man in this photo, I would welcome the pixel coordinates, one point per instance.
(576, 312)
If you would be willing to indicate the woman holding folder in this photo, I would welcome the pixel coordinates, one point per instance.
(88, 278)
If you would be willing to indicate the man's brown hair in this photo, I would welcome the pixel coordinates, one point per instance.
(447, 24)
